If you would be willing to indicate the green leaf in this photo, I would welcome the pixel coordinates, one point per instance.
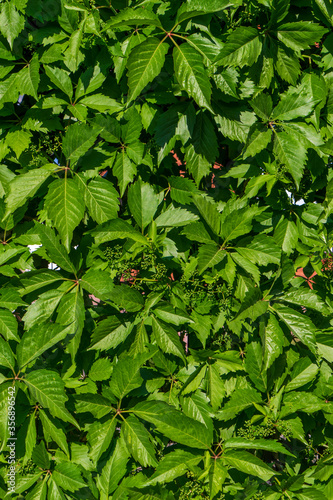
(55, 250)
(295, 103)
(138, 442)
(258, 140)
(290, 153)
(39, 279)
(305, 297)
(173, 465)
(248, 463)
(286, 235)
(174, 217)
(133, 17)
(303, 372)
(143, 203)
(114, 470)
(174, 424)
(287, 65)
(93, 403)
(300, 35)
(29, 78)
(144, 64)
(78, 140)
(99, 436)
(99, 283)
(73, 56)
(215, 386)
(253, 364)
(195, 8)
(25, 186)
(37, 340)
(217, 475)
(71, 314)
(52, 430)
(101, 370)
(68, 476)
(208, 211)
(126, 375)
(60, 79)
(167, 338)
(11, 22)
(238, 222)
(8, 325)
(40, 456)
(261, 250)
(242, 47)
(48, 389)
(273, 342)
(300, 325)
(256, 444)
(127, 297)
(6, 355)
(191, 74)
(114, 229)
(239, 401)
(209, 256)
(109, 333)
(101, 103)
(124, 169)
(65, 208)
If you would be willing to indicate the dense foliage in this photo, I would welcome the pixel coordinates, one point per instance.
(165, 172)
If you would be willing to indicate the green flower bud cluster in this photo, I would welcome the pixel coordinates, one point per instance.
(250, 431)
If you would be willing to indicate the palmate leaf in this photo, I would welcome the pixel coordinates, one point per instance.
(191, 74)
(242, 48)
(174, 424)
(144, 64)
(65, 208)
(48, 389)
